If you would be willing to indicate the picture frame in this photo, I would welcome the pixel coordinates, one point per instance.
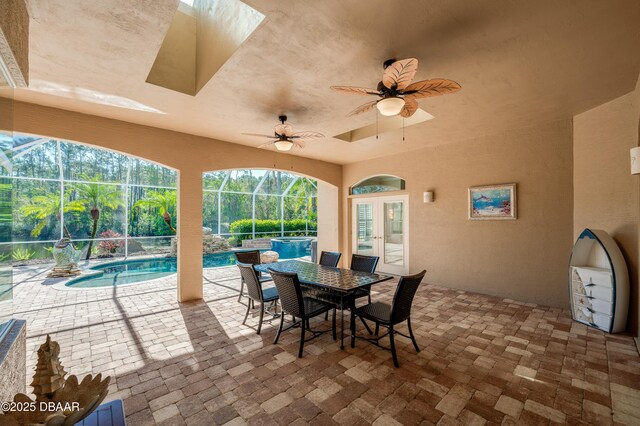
(493, 202)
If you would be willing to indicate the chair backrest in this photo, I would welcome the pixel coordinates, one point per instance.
(329, 258)
(250, 277)
(364, 263)
(251, 257)
(403, 299)
(289, 291)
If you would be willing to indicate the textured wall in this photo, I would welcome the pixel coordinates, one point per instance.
(180, 151)
(605, 193)
(13, 361)
(14, 39)
(524, 259)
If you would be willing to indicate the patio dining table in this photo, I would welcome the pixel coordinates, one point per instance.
(337, 282)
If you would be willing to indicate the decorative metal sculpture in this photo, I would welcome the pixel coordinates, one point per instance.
(66, 257)
(65, 253)
(58, 402)
(49, 376)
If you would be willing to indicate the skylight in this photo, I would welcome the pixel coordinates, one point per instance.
(198, 42)
(385, 124)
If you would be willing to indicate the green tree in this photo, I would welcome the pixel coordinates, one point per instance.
(97, 196)
(45, 207)
(163, 201)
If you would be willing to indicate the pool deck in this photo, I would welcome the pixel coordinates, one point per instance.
(483, 359)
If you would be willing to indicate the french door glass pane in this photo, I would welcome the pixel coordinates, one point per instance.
(365, 229)
(393, 234)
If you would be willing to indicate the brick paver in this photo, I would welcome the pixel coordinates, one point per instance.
(483, 359)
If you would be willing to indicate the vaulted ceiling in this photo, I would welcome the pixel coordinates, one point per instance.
(519, 63)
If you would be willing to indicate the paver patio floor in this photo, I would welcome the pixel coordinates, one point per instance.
(484, 360)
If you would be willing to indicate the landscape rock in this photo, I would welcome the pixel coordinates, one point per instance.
(211, 243)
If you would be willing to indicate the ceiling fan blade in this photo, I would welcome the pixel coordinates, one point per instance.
(307, 135)
(299, 143)
(258, 134)
(433, 87)
(400, 73)
(266, 144)
(283, 129)
(363, 108)
(409, 108)
(355, 90)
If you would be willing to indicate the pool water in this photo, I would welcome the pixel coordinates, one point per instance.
(292, 247)
(134, 271)
(126, 272)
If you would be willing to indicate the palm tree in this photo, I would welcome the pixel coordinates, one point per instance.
(97, 196)
(163, 201)
(44, 207)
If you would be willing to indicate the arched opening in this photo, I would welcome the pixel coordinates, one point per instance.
(109, 205)
(379, 183)
(249, 205)
(152, 211)
(236, 189)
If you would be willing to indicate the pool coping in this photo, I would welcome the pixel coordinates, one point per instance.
(62, 284)
(87, 271)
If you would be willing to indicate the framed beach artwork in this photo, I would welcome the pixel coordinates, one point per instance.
(492, 202)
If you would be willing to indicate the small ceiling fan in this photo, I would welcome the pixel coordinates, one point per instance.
(283, 137)
(396, 92)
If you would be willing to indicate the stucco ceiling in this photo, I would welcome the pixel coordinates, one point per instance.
(519, 62)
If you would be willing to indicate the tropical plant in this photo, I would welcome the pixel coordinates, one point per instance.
(45, 207)
(22, 254)
(163, 201)
(110, 246)
(97, 196)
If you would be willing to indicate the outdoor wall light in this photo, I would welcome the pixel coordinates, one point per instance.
(635, 160)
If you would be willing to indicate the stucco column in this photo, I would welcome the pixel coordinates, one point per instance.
(328, 217)
(189, 235)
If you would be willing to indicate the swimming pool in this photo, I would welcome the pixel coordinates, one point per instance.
(138, 270)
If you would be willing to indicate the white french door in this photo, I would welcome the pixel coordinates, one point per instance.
(380, 228)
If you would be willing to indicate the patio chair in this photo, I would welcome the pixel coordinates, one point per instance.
(256, 293)
(251, 257)
(390, 315)
(364, 264)
(293, 303)
(329, 258)
(358, 263)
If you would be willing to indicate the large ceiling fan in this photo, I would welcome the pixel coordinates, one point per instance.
(396, 92)
(283, 137)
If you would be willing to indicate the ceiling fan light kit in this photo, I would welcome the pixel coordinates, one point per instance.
(397, 93)
(390, 106)
(283, 145)
(283, 137)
